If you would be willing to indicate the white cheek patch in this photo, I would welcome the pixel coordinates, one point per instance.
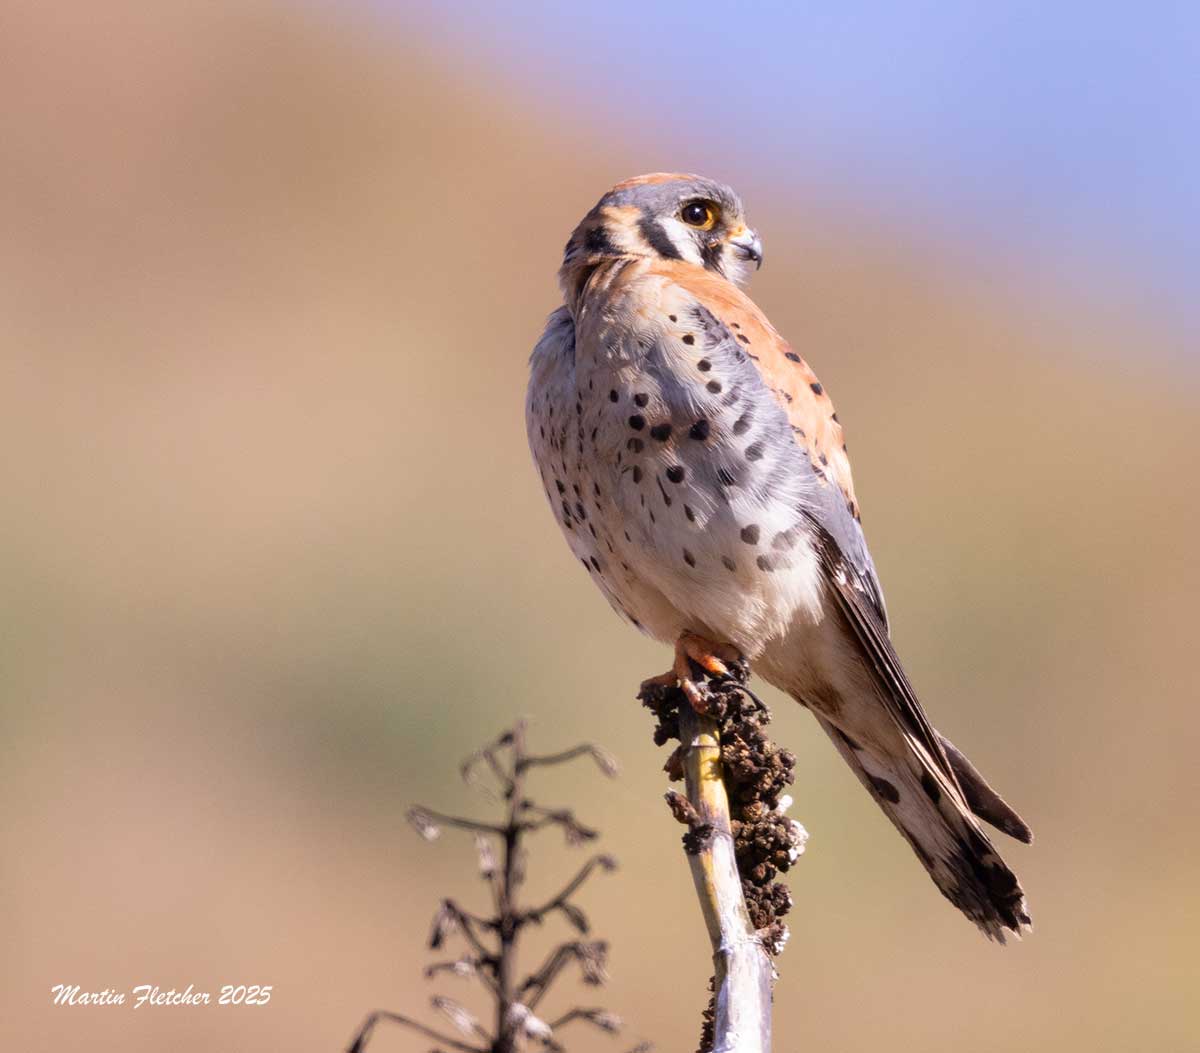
(736, 269)
(683, 238)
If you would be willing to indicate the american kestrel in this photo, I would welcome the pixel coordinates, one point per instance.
(699, 473)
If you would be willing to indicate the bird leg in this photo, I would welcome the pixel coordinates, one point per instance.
(694, 652)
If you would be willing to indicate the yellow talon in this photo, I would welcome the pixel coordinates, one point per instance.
(713, 658)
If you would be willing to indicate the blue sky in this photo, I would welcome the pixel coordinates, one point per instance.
(1063, 136)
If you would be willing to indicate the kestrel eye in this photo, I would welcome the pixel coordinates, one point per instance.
(700, 214)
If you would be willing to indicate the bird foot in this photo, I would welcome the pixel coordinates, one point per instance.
(695, 659)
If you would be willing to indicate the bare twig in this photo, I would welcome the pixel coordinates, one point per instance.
(539, 980)
(500, 851)
(604, 861)
(466, 966)
(428, 823)
(574, 831)
(603, 759)
(488, 753)
(600, 1017)
(368, 1027)
(507, 910)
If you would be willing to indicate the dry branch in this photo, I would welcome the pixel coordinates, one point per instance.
(491, 941)
(738, 841)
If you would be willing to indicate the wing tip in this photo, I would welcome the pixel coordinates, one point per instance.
(983, 800)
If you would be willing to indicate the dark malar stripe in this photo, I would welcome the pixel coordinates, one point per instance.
(656, 237)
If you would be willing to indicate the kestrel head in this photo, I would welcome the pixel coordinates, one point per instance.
(669, 216)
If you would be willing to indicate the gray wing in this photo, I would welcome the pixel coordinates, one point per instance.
(853, 593)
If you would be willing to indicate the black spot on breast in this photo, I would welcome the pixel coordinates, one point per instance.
(666, 499)
(595, 562)
(580, 510)
(699, 430)
(613, 396)
(675, 473)
(688, 558)
(930, 786)
(791, 356)
(728, 563)
(764, 563)
(641, 398)
(742, 424)
(661, 432)
(704, 365)
(849, 741)
(885, 789)
(754, 451)
(714, 386)
(637, 474)
(750, 534)
(785, 539)
(673, 318)
(726, 477)
(817, 389)
(688, 339)
(635, 445)
(637, 422)
(743, 338)
(561, 489)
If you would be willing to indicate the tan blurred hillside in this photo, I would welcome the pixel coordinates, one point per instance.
(275, 559)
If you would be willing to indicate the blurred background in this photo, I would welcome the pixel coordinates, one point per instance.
(274, 557)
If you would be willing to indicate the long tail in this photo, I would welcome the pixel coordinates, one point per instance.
(938, 816)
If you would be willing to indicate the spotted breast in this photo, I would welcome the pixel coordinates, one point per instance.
(673, 466)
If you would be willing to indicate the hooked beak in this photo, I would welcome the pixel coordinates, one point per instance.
(748, 246)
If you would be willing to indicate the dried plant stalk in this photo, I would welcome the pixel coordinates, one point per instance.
(489, 954)
(738, 842)
(743, 976)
